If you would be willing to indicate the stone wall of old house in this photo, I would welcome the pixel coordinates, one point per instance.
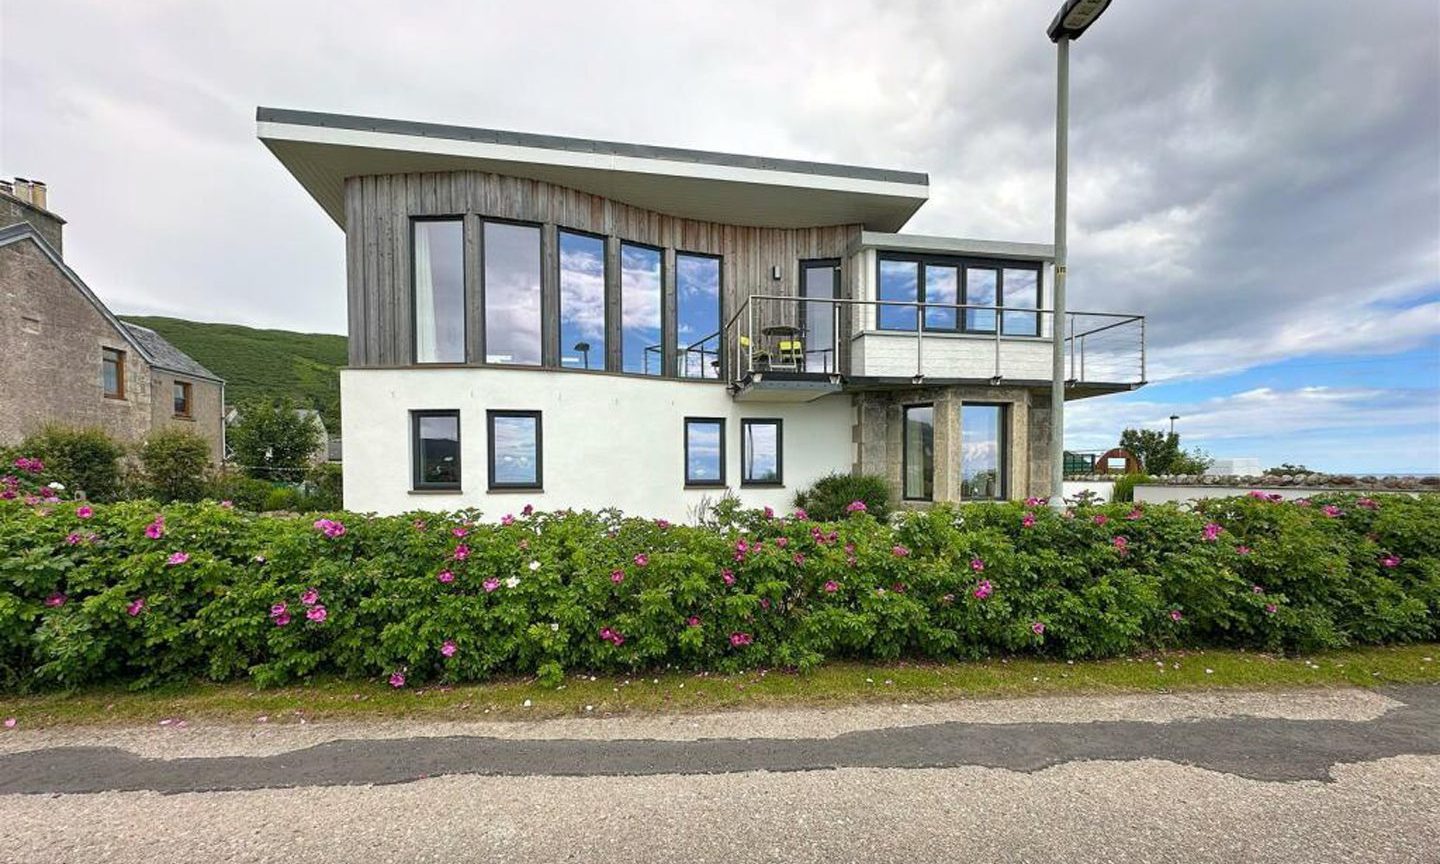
(51, 343)
(206, 410)
(879, 444)
(13, 210)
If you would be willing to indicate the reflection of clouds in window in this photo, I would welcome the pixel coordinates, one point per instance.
(982, 453)
(899, 280)
(513, 453)
(1021, 292)
(439, 284)
(942, 285)
(640, 309)
(761, 456)
(980, 291)
(697, 290)
(512, 293)
(582, 300)
(703, 459)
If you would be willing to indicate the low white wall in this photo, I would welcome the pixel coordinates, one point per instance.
(949, 355)
(1103, 489)
(608, 440)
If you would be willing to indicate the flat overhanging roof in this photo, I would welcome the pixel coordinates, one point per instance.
(321, 150)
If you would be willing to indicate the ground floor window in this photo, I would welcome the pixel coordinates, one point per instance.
(435, 437)
(762, 457)
(515, 449)
(704, 451)
(982, 451)
(918, 467)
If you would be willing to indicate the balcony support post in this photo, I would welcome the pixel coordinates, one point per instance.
(1057, 358)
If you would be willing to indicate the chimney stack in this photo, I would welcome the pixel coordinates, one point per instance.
(29, 201)
(37, 194)
(22, 190)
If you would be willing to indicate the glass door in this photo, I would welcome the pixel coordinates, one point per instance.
(819, 282)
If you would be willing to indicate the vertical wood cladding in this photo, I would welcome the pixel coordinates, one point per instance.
(378, 258)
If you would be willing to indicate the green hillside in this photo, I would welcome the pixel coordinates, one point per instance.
(303, 366)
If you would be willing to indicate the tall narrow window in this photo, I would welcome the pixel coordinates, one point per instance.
(697, 306)
(819, 284)
(899, 281)
(982, 452)
(640, 309)
(180, 395)
(1021, 289)
(980, 284)
(439, 289)
(942, 285)
(112, 364)
(582, 301)
(762, 453)
(515, 449)
(435, 449)
(704, 451)
(512, 293)
(919, 452)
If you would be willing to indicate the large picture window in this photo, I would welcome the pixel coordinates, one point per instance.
(704, 451)
(435, 446)
(582, 301)
(982, 452)
(515, 449)
(762, 453)
(900, 281)
(918, 465)
(697, 303)
(1021, 291)
(438, 250)
(980, 290)
(950, 281)
(511, 255)
(640, 298)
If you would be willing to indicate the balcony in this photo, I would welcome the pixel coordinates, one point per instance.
(798, 349)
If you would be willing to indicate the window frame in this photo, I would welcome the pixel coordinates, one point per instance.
(779, 424)
(621, 243)
(188, 390)
(719, 310)
(464, 294)
(963, 263)
(483, 305)
(120, 357)
(724, 453)
(1002, 469)
(805, 300)
(417, 481)
(491, 484)
(560, 231)
(905, 451)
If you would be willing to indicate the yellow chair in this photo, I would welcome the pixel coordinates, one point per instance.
(758, 358)
(791, 353)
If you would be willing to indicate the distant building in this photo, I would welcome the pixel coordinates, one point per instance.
(1241, 466)
(66, 359)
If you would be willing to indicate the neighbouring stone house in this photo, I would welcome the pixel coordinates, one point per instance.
(66, 359)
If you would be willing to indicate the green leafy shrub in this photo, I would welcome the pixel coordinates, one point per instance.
(85, 460)
(324, 485)
(176, 464)
(134, 592)
(828, 498)
(1125, 486)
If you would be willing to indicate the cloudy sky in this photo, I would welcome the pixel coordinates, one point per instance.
(1261, 178)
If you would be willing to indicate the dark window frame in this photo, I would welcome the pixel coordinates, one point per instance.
(836, 264)
(1003, 467)
(188, 391)
(604, 239)
(490, 417)
(620, 304)
(905, 451)
(964, 263)
(417, 481)
(464, 294)
(120, 357)
(691, 483)
(779, 424)
(719, 309)
(480, 271)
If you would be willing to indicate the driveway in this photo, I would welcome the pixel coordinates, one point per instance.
(1309, 776)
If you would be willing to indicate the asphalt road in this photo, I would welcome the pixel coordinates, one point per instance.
(1339, 776)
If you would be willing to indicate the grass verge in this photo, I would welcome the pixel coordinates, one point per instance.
(674, 692)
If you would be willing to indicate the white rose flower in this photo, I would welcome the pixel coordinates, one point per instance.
(512, 581)
(57, 486)
(534, 565)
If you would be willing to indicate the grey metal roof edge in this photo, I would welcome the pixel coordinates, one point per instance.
(925, 243)
(583, 145)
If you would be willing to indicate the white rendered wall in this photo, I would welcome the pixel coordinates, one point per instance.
(608, 440)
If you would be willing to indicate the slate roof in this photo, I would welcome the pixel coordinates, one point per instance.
(165, 355)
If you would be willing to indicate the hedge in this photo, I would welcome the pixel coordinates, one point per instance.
(134, 592)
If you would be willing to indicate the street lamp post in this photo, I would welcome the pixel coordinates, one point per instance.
(1173, 418)
(1070, 22)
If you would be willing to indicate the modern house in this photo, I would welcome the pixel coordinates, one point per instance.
(66, 359)
(577, 323)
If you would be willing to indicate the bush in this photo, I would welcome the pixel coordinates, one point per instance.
(1125, 486)
(829, 497)
(272, 441)
(175, 464)
(324, 485)
(85, 460)
(126, 593)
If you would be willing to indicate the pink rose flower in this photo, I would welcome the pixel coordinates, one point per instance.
(316, 613)
(1135, 514)
(84, 511)
(739, 640)
(177, 558)
(490, 584)
(459, 530)
(448, 649)
(641, 559)
(155, 530)
(54, 600)
(1121, 544)
(397, 680)
(727, 576)
(462, 552)
(800, 514)
(277, 610)
(72, 539)
(856, 507)
(507, 519)
(617, 576)
(899, 551)
(282, 619)
(662, 524)
(1368, 504)
(1270, 608)
(227, 504)
(977, 565)
(329, 527)
(1390, 560)
(1038, 628)
(527, 510)
(831, 586)
(693, 621)
(1256, 589)
(1332, 511)
(1242, 550)
(983, 589)
(1211, 532)
(135, 607)
(782, 542)
(1100, 519)
(799, 559)
(1028, 520)
(1175, 615)
(310, 597)
(10, 722)
(445, 577)
(769, 512)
